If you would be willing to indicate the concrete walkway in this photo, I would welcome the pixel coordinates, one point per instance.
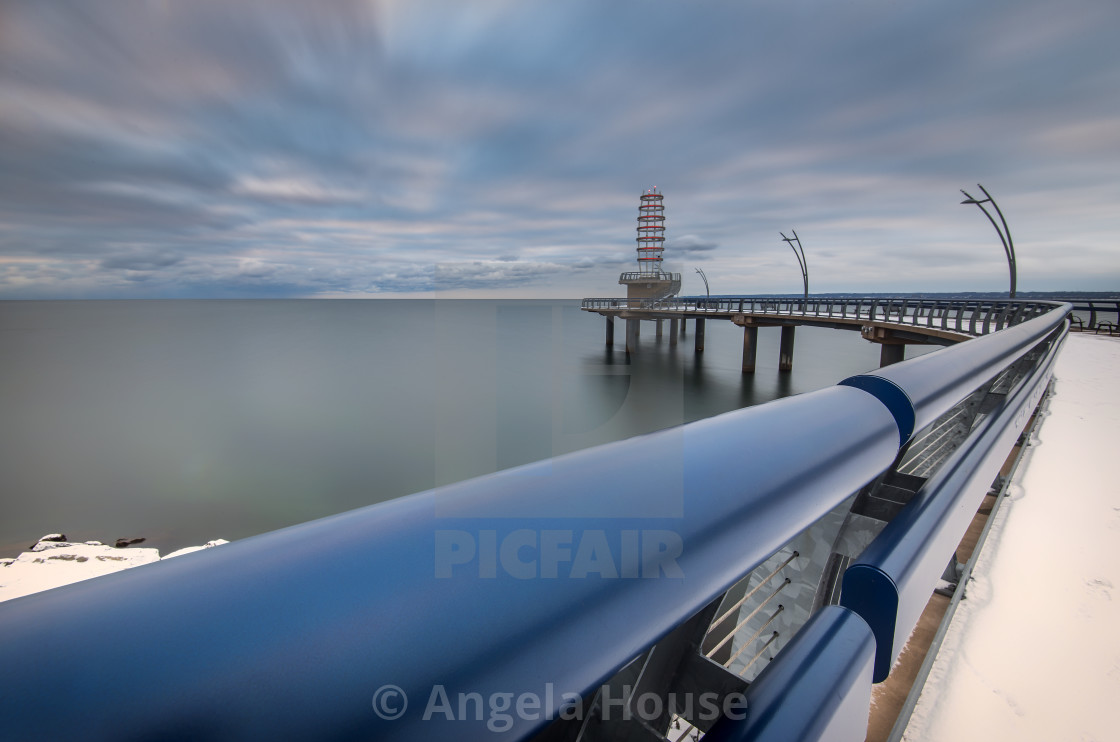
(1033, 652)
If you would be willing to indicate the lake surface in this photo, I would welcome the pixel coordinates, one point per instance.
(184, 421)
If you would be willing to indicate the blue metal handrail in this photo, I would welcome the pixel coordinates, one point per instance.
(890, 584)
(925, 388)
(819, 688)
(289, 634)
(541, 580)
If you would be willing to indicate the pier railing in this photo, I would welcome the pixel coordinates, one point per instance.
(971, 317)
(567, 599)
(638, 275)
(1087, 314)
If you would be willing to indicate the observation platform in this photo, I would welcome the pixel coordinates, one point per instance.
(647, 285)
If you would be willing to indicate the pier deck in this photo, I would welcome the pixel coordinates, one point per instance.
(1031, 653)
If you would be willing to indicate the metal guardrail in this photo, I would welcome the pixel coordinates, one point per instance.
(1095, 307)
(931, 385)
(638, 276)
(540, 582)
(820, 690)
(553, 574)
(969, 317)
(890, 584)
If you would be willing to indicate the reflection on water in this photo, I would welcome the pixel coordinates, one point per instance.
(184, 421)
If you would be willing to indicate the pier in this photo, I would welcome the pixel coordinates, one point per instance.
(892, 323)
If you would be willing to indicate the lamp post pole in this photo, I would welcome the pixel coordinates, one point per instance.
(706, 291)
(1004, 234)
(799, 252)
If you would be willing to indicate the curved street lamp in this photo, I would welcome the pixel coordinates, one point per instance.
(799, 251)
(1004, 234)
(706, 291)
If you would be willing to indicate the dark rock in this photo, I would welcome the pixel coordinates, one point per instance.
(123, 542)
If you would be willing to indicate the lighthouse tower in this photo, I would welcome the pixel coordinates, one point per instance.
(650, 282)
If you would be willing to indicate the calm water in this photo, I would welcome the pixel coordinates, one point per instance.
(183, 421)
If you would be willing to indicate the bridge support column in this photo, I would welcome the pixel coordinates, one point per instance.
(610, 332)
(659, 328)
(785, 351)
(631, 335)
(891, 353)
(672, 332)
(684, 321)
(699, 334)
(750, 349)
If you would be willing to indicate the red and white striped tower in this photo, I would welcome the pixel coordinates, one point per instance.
(649, 282)
(651, 232)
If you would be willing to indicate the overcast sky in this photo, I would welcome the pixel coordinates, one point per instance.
(198, 148)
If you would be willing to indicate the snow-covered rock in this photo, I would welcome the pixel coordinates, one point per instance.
(53, 562)
(50, 541)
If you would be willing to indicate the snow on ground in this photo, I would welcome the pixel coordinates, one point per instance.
(1033, 652)
(192, 549)
(53, 562)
